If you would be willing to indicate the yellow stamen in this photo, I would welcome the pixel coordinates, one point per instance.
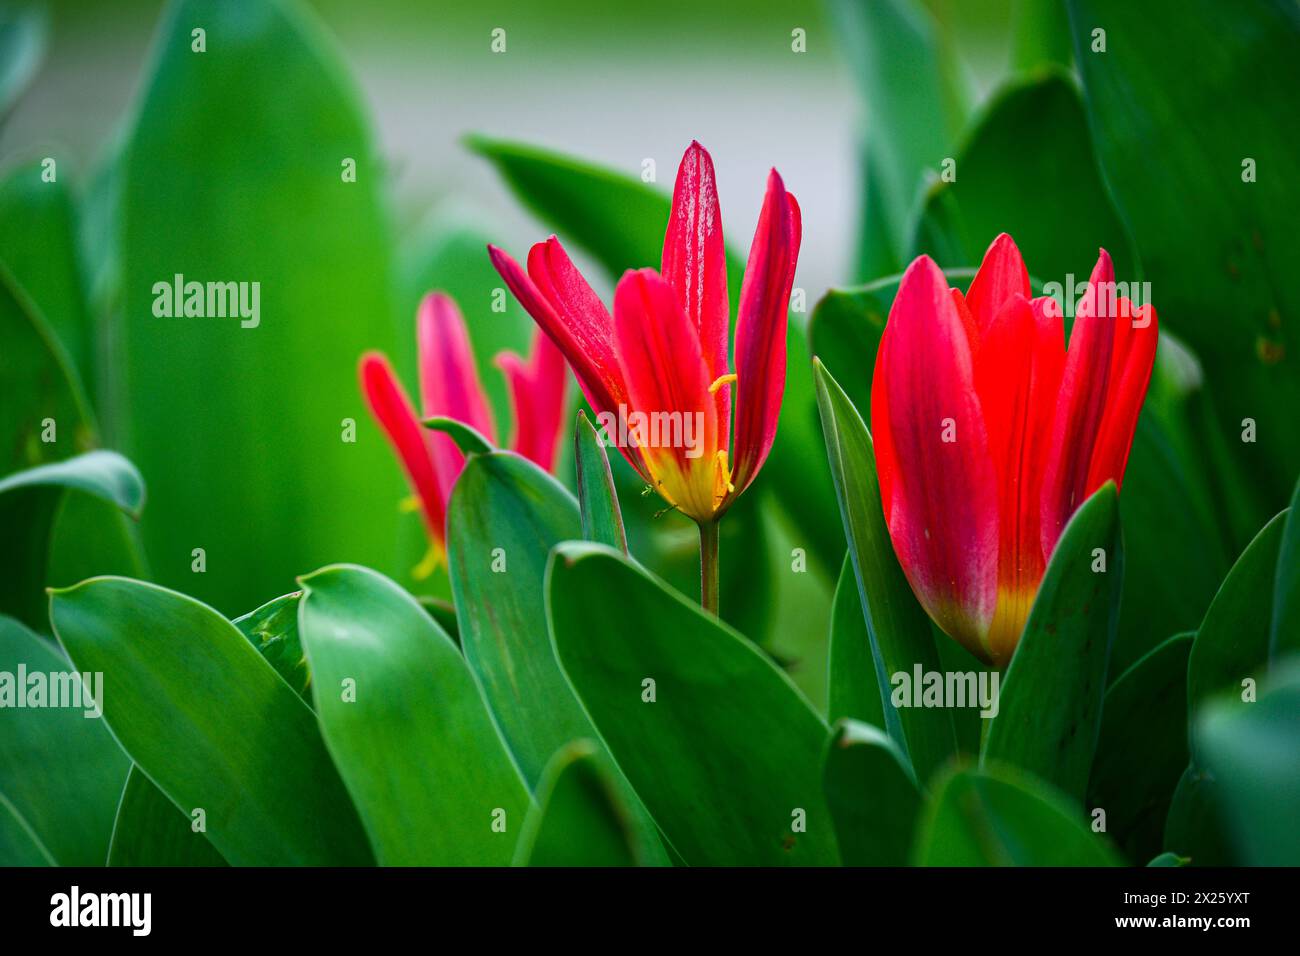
(721, 381)
(726, 469)
(429, 563)
(409, 504)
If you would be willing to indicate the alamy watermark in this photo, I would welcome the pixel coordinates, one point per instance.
(53, 689)
(636, 429)
(922, 688)
(208, 300)
(1109, 294)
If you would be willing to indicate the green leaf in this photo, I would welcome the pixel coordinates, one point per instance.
(720, 746)
(602, 520)
(33, 505)
(872, 796)
(406, 725)
(210, 722)
(901, 639)
(504, 517)
(1285, 634)
(1040, 35)
(38, 242)
(1233, 641)
(579, 819)
(854, 683)
(35, 365)
(1051, 701)
(1142, 748)
(467, 439)
(1194, 828)
(915, 106)
(1182, 80)
(19, 844)
(997, 817)
(61, 772)
(273, 630)
(1168, 859)
(240, 428)
(104, 474)
(1252, 752)
(152, 831)
(1003, 185)
(22, 47)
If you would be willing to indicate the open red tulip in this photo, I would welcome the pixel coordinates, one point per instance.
(656, 371)
(989, 433)
(450, 388)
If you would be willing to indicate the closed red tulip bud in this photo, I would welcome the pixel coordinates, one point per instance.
(989, 433)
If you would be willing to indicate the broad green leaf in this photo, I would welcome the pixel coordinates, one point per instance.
(150, 830)
(1285, 634)
(872, 796)
(1051, 701)
(915, 108)
(22, 46)
(406, 725)
(53, 420)
(1003, 184)
(1040, 34)
(720, 746)
(1142, 748)
(38, 242)
(597, 498)
(36, 510)
(19, 844)
(1232, 643)
(854, 682)
(61, 772)
(1254, 753)
(1182, 80)
(1168, 859)
(504, 517)
(901, 639)
(209, 721)
(1195, 827)
(579, 819)
(240, 426)
(998, 817)
(273, 630)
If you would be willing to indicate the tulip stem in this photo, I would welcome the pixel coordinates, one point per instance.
(709, 566)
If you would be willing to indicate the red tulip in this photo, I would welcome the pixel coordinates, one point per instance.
(989, 434)
(657, 369)
(450, 387)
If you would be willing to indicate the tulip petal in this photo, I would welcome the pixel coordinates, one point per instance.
(1017, 375)
(537, 388)
(1136, 337)
(761, 329)
(449, 382)
(412, 441)
(1081, 403)
(668, 384)
(568, 310)
(937, 478)
(1001, 275)
(695, 264)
